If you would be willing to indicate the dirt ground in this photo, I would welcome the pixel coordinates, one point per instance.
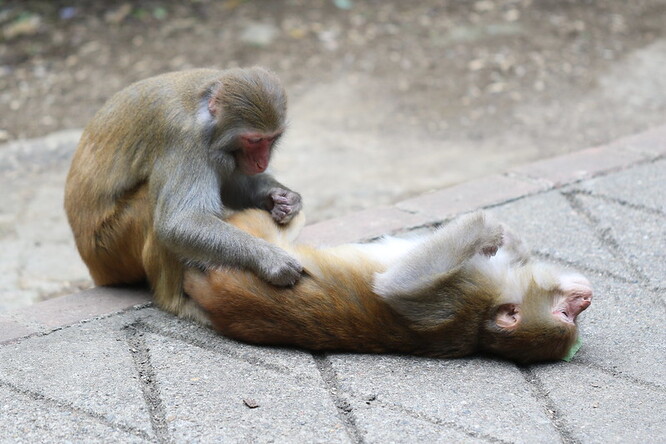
(388, 98)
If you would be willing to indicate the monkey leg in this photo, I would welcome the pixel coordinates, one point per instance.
(111, 240)
(440, 254)
(165, 274)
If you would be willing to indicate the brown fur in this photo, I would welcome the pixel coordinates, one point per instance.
(335, 307)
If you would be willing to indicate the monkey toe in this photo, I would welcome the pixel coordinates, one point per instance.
(492, 239)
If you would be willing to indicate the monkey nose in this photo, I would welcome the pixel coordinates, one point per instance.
(580, 302)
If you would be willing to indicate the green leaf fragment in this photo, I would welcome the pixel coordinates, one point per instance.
(343, 4)
(160, 13)
(573, 350)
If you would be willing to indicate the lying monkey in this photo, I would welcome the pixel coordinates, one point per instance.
(467, 287)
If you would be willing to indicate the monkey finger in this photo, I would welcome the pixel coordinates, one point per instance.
(280, 200)
(286, 219)
(278, 214)
(287, 275)
(282, 214)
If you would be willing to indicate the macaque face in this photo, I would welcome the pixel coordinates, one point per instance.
(255, 152)
(574, 296)
(564, 300)
(543, 325)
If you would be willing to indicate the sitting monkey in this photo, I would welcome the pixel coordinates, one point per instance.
(468, 287)
(160, 165)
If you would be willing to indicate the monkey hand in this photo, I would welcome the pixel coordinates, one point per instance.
(285, 204)
(491, 239)
(474, 233)
(515, 245)
(279, 268)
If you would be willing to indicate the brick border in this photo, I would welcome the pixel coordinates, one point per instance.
(427, 209)
(63, 311)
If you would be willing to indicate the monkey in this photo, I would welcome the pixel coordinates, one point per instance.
(469, 287)
(160, 165)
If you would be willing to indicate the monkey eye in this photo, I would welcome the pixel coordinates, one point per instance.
(254, 139)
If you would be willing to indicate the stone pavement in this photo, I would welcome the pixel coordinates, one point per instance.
(105, 366)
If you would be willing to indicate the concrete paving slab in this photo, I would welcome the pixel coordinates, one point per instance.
(642, 186)
(29, 417)
(38, 257)
(470, 196)
(652, 142)
(87, 368)
(624, 331)
(73, 308)
(555, 230)
(490, 403)
(596, 407)
(363, 225)
(216, 398)
(12, 293)
(282, 360)
(579, 165)
(10, 329)
(637, 235)
(387, 423)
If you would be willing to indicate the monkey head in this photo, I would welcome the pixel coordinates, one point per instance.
(541, 326)
(249, 108)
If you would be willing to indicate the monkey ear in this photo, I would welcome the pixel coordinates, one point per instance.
(213, 106)
(508, 316)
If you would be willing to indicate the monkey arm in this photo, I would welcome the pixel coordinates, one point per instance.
(242, 191)
(261, 191)
(440, 254)
(188, 221)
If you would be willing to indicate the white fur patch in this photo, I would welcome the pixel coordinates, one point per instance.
(505, 276)
(388, 249)
(571, 282)
(204, 118)
(546, 276)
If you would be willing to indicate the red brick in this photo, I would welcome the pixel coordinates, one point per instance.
(70, 309)
(651, 143)
(580, 165)
(10, 330)
(469, 196)
(361, 225)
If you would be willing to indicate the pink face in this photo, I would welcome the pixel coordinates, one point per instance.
(255, 152)
(576, 297)
(574, 294)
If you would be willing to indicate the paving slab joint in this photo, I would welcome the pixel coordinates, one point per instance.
(552, 412)
(344, 408)
(148, 381)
